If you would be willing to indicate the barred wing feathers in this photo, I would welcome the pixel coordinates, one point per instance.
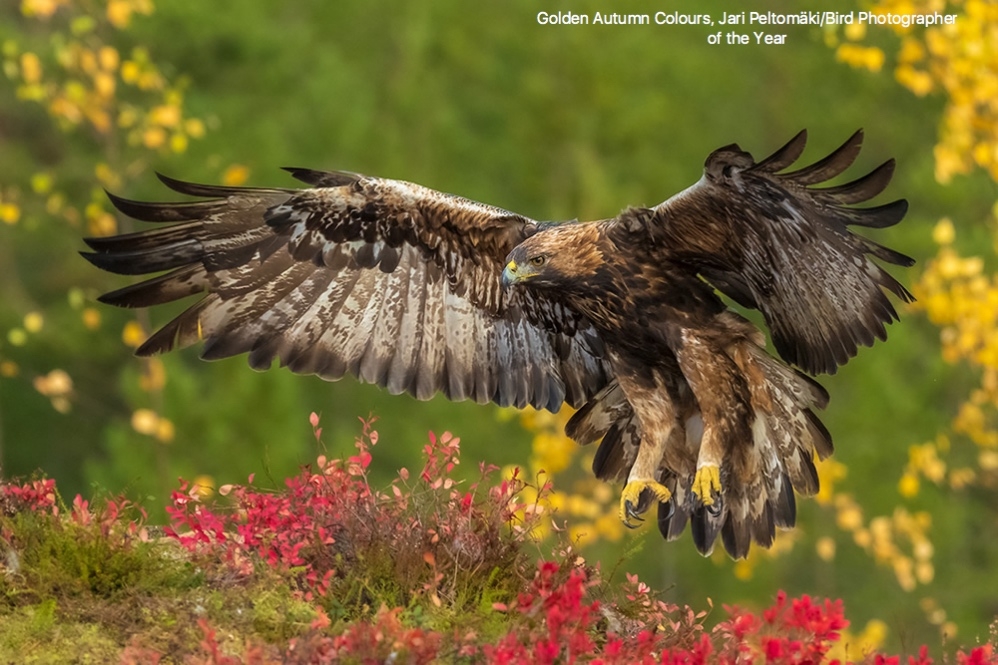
(389, 281)
(771, 241)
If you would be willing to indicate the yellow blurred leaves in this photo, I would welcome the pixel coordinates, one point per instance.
(165, 115)
(33, 322)
(830, 472)
(153, 137)
(825, 547)
(107, 176)
(91, 318)
(235, 175)
(923, 462)
(857, 648)
(944, 233)
(31, 68)
(962, 300)
(10, 213)
(899, 541)
(41, 8)
(866, 57)
(99, 221)
(79, 79)
(133, 334)
(17, 337)
(149, 423)
(960, 60)
(10, 210)
(57, 385)
(854, 54)
(204, 485)
(119, 12)
(588, 504)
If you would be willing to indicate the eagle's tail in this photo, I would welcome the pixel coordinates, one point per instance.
(759, 478)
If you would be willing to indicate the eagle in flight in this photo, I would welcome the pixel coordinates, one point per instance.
(423, 292)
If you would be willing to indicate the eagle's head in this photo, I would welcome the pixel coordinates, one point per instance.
(556, 257)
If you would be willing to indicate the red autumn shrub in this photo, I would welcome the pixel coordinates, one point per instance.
(429, 570)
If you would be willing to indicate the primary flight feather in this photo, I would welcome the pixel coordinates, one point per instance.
(423, 292)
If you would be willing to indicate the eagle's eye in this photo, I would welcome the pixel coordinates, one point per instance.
(538, 260)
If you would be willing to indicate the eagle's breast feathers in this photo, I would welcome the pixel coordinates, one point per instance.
(424, 292)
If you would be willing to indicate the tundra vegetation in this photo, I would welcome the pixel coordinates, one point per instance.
(486, 564)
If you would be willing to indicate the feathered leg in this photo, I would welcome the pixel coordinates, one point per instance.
(721, 392)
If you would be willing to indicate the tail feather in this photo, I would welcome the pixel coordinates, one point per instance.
(758, 477)
(673, 516)
(592, 422)
(704, 527)
(785, 505)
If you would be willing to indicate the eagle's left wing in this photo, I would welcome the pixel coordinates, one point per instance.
(389, 281)
(773, 242)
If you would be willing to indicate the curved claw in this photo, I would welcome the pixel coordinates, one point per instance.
(629, 511)
(714, 507)
(632, 512)
(634, 501)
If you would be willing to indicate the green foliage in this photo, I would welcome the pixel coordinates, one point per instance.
(70, 561)
(253, 582)
(553, 122)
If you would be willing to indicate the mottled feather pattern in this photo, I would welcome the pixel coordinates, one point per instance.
(761, 473)
(423, 292)
(388, 281)
(784, 247)
(608, 419)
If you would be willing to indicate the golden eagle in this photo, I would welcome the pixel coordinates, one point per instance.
(423, 292)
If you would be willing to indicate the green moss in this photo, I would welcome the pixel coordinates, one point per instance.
(57, 558)
(36, 634)
(78, 596)
(276, 616)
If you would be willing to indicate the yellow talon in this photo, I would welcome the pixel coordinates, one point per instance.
(707, 481)
(630, 498)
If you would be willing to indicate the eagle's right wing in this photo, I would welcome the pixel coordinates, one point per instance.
(389, 281)
(773, 241)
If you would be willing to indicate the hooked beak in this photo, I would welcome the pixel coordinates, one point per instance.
(509, 275)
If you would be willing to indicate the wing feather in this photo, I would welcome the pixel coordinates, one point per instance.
(392, 282)
(771, 241)
(832, 165)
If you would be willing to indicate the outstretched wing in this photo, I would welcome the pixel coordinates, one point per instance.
(773, 242)
(389, 281)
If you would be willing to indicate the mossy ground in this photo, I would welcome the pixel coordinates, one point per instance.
(330, 571)
(72, 593)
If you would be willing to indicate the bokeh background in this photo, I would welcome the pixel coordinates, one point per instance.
(554, 122)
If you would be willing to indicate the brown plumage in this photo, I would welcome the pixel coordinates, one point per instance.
(423, 292)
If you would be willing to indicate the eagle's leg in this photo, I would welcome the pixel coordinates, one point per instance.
(654, 406)
(642, 488)
(722, 394)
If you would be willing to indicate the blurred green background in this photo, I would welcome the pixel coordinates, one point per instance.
(554, 122)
